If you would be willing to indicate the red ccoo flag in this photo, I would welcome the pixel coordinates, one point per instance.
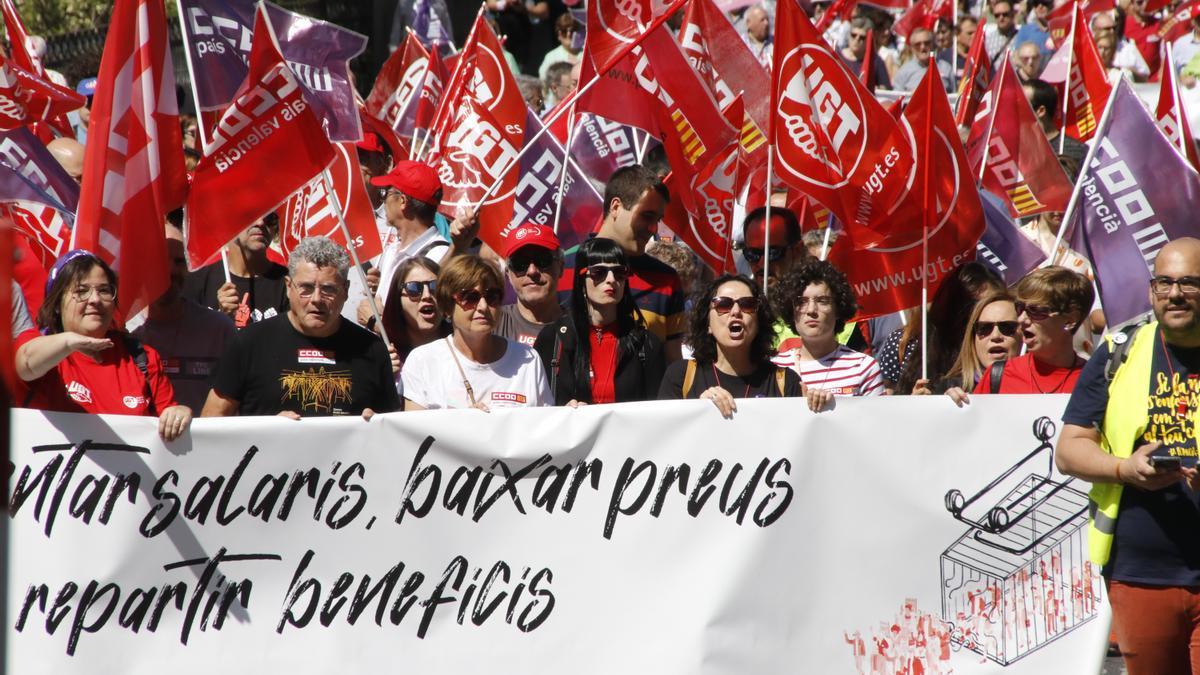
(133, 172)
(1172, 117)
(888, 278)
(1087, 87)
(1021, 166)
(268, 130)
(1059, 20)
(977, 79)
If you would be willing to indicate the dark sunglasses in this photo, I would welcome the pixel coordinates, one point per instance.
(1035, 312)
(753, 255)
(724, 305)
(469, 299)
(984, 328)
(415, 289)
(519, 263)
(599, 273)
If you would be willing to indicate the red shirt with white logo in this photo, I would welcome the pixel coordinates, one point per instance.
(112, 386)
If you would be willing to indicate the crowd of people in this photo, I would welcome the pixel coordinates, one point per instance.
(440, 321)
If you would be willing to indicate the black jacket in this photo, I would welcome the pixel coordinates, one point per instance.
(639, 371)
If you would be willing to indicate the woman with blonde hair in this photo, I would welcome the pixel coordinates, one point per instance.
(991, 336)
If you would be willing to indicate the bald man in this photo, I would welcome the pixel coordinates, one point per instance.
(758, 34)
(1132, 434)
(1029, 62)
(69, 153)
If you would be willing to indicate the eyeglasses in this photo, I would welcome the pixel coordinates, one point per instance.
(858, 36)
(1001, 15)
(307, 290)
(753, 255)
(822, 301)
(416, 289)
(1035, 312)
(724, 305)
(469, 299)
(599, 273)
(541, 258)
(1189, 286)
(83, 293)
(921, 44)
(984, 328)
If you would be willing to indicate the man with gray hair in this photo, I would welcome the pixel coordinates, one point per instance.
(308, 362)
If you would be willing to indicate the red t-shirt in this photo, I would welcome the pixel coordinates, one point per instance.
(604, 364)
(1024, 375)
(112, 386)
(1145, 37)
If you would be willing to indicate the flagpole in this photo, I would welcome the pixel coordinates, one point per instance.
(1180, 112)
(767, 216)
(337, 211)
(566, 164)
(1052, 259)
(1062, 133)
(825, 240)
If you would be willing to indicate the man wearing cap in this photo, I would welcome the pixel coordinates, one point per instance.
(412, 193)
(534, 264)
(781, 251)
(635, 200)
(79, 118)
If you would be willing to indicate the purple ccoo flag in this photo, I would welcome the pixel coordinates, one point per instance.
(1135, 193)
(217, 39)
(537, 191)
(22, 152)
(1003, 248)
(601, 146)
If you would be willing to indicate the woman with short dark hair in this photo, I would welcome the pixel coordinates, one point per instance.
(599, 351)
(731, 330)
(82, 363)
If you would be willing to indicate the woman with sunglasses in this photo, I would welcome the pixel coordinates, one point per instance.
(991, 336)
(600, 351)
(1051, 303)
(731, 330)
(816, 301)
(82, 363)
(411, 316)
(473, 367)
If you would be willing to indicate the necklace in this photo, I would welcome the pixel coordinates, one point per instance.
(466, 382)
(717, 377)
(1055, 389)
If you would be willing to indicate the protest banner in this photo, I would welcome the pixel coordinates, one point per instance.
(556, 540)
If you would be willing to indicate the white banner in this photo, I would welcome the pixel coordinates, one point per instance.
(886, 536)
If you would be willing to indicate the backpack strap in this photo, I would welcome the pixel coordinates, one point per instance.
(142, 360)
(1118, 351)
(424, 252)
(689, 376)
(997, 374)
(780, 376)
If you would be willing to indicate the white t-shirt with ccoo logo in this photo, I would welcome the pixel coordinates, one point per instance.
(432, 380)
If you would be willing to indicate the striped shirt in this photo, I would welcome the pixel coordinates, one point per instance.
(843, 371)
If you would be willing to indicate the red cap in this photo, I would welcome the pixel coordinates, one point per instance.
(370, 142)
(530, 234)
(755, 234)
(414, 179)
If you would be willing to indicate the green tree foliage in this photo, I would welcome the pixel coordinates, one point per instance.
(55, 17)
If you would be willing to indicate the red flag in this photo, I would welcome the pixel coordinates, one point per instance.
(133, 172)
(832, 139)
(976, 81)
(1087, 83)
(1171, 116)
(401, 78)
(1178, 23)
(1021, 166)
(925, 14)
(13, 114)
(33, 76)
(309, 212)
(730, 69)
(45, 100)
(1058, 21)
(888, 278)
(44, 228)
(480, 142)
(838, 9)
(618, 96)
(431, 90)
(8, 360)
(268, 130)
(866, 74)
(613, 25)
(18, 41)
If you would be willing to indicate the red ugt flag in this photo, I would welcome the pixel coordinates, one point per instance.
(888, 278)
(268, 130)
(309, 212)
(1171, 116)
(133, 172)
(1021, 166)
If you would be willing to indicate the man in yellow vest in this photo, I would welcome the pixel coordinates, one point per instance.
(1134, 404)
